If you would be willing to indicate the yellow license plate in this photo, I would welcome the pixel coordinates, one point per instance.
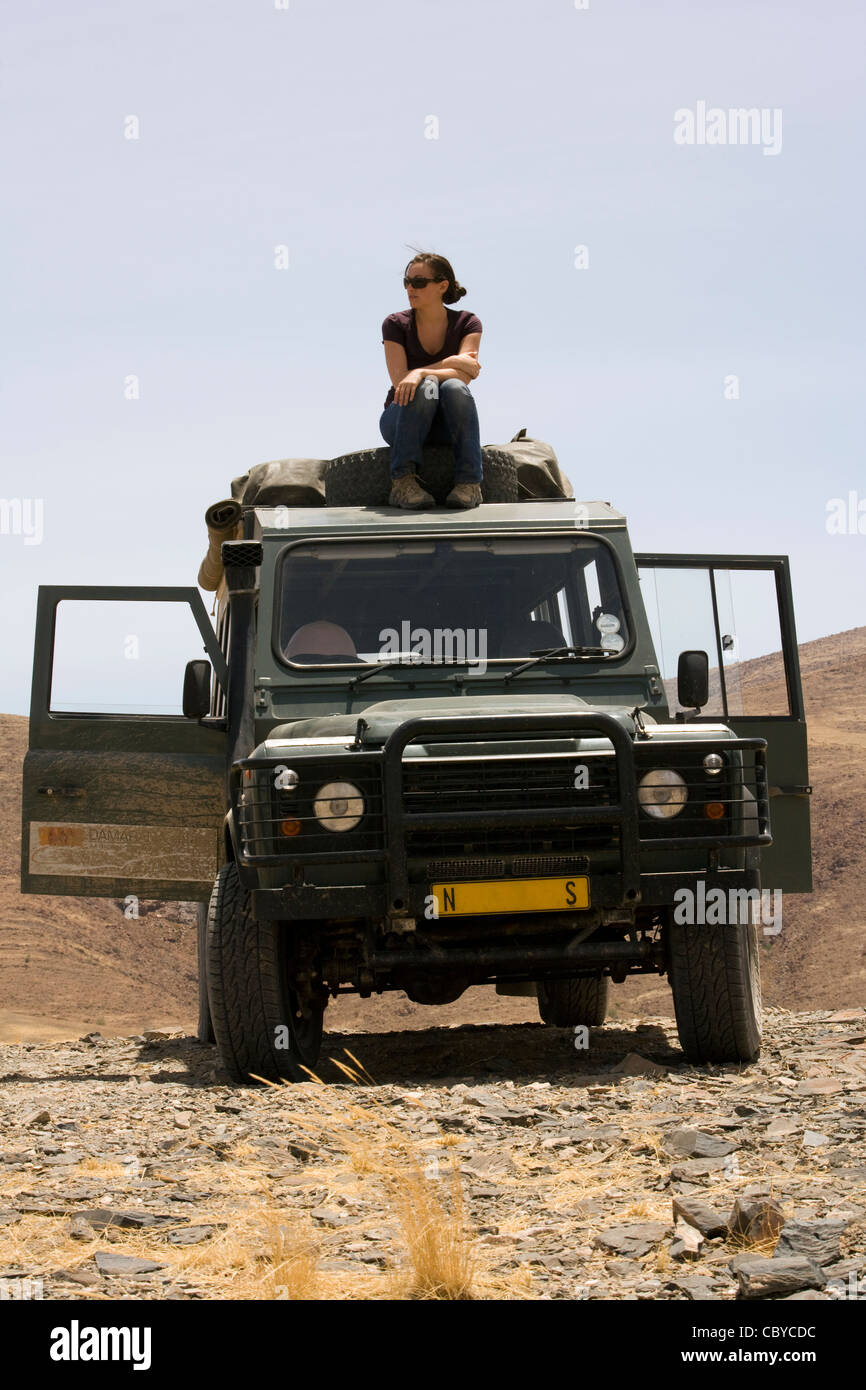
(510, 895)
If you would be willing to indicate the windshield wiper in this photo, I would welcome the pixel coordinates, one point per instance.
(555, 654)
(378, 666)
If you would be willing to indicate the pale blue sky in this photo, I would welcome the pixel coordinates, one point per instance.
(306, 127)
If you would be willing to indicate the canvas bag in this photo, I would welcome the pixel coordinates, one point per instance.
(282, 482)
(538, 470)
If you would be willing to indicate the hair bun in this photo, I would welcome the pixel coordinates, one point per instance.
(457, 292)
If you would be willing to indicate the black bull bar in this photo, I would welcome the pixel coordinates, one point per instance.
(399, 822)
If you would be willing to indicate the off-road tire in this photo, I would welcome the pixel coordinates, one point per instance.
(715, 976)
(568, 1003)
(364, 479)
(250, 993)
(204, 1031)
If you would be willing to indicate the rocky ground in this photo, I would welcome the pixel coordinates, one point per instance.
(489, 1162)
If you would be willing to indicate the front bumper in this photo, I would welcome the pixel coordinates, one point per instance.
(386, 879)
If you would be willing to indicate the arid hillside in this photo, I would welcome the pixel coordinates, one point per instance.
(68, 965)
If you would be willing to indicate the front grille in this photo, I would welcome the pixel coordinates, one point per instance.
(465, 868)
(505, 783)
(540, 865)
(519, 866)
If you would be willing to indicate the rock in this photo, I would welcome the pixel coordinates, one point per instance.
(477, 1095)
(847, 1016)
(632, 1240)
(781, 1126)
(129, 1265)
(819, 1241)
(42, 1208)
(190, 1235)
(697, 1287)
(332, 1216)
(633, 1064)
(820, 1086)
(687, 1242)
(79, 1230)
(759, 1277)
(692, 1143)
(101, 1217)
(85, 1277)
(696, 1213)
(182, 1119)
(806, 1295)
(698, 1168)
(814, 1139)
(7, 1217)
(35, 1117)
(304, 1153)
(756, 1218)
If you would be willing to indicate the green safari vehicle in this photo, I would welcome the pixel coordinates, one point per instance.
(426, 751)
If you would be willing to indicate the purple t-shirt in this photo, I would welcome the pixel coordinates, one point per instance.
(400, 328)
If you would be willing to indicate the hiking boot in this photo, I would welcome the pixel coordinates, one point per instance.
(464, 495)
(407, 492)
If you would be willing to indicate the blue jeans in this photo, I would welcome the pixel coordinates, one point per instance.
(440, 412)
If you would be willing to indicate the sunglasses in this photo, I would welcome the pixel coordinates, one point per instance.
(418, 282)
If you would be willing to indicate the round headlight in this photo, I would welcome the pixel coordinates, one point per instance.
(713, 763)
(339, 805)
(662, 793)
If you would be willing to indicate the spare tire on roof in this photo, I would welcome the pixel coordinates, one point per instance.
(364, 479)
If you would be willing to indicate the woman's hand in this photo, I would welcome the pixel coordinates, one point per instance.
(469, 364)
(405, 390)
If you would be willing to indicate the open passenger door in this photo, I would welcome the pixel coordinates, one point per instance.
(740, 611)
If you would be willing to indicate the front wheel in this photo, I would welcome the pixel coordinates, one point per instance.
(715, 975)
(259, 1024)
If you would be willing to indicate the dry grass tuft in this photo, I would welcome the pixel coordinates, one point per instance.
(438, 1254)
(440, 1262)
(291, 1257)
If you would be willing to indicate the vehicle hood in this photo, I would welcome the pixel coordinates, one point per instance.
(384, 718)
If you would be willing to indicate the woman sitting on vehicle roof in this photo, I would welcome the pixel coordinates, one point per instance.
(431, 353)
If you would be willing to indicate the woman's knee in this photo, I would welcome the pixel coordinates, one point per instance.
(456, 399)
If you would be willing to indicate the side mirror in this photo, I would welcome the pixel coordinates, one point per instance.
(196, 689)
(693, 680)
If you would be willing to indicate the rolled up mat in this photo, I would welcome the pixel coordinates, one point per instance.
(222, 520)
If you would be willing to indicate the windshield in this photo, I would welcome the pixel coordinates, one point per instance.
(448, 601)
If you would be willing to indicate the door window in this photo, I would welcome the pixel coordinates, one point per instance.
(121, 657)
(731, 613)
